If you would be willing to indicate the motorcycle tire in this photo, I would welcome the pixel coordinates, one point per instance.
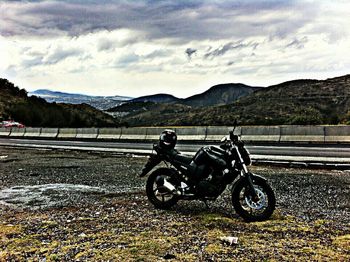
(159, 197)
(251, 210)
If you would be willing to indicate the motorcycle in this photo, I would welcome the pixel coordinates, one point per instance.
(206, 176)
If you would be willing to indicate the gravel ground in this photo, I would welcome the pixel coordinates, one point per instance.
(69, 205)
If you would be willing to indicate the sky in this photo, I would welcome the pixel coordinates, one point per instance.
(144, 47)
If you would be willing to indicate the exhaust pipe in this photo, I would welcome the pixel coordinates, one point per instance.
(168, 186)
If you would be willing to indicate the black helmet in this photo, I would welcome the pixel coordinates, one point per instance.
(167, 139)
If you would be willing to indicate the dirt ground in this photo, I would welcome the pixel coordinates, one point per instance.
(84, 206)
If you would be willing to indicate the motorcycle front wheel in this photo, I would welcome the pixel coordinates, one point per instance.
(159, 196)
(250, 209)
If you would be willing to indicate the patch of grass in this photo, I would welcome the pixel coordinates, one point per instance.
(216, 220)
(132, 234)
(343, 242)
(9, 230)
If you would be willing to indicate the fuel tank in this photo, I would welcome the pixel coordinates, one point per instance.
(211, 155)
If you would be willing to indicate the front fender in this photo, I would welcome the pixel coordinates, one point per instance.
(244, 180)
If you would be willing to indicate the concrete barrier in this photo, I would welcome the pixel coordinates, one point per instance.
(153, 133)
(191, 133)
(306, 134)
(5, 131)
(337, 134)
(216, 133)
(261, 133)
(302, 134)
(134, 133)
(17, 132)
(87, 133)
(32, 132)
(109, 133)
(67, 133)
(49, 132)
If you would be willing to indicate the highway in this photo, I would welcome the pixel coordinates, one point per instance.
(305, 155)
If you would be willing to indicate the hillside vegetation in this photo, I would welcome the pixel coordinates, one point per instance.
(295, 102)
(36, 112)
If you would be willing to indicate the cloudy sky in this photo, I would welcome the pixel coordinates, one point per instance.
(181, 47)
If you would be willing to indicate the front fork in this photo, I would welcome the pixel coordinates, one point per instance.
(248, 175)
(251, 189)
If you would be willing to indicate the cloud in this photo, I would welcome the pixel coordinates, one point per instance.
(298, 43)
(228, 47)
(60, 54)
(157, 43)
(32, 62)
(186, 20)
(106, 45)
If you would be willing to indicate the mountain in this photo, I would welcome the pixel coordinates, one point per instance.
(217, 95)
(157, 98)
(294, 102)
(148, 113)
(36, 112)
(220, 95)
(99, 102)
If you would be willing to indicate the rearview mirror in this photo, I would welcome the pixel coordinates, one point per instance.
(224, 139)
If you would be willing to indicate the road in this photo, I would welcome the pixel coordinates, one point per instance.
(334, 155)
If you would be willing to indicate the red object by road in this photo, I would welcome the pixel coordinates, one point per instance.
(11, 123)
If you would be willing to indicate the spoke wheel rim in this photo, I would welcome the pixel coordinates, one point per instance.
(251, 206)
(160, 193)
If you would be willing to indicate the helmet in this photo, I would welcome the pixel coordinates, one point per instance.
(167, 139)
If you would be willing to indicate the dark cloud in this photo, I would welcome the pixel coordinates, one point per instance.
(229, 46)
(190, 52)
(189, 20)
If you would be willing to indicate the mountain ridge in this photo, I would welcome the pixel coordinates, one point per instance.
(301, 101)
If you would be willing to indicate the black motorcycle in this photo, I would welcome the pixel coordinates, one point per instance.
(206, 175)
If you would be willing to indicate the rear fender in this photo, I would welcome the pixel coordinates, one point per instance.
(153, 161)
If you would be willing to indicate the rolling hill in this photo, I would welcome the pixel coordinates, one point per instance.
(157, 98)
(220, 95)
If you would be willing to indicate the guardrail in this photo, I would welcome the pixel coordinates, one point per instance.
(274, 134)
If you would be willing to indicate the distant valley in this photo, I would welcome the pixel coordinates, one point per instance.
(36, 112)
(99, 102)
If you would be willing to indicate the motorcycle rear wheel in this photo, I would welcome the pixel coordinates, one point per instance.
(249, 209)
(157, 195)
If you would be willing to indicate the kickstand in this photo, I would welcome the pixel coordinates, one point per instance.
(206, 204)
